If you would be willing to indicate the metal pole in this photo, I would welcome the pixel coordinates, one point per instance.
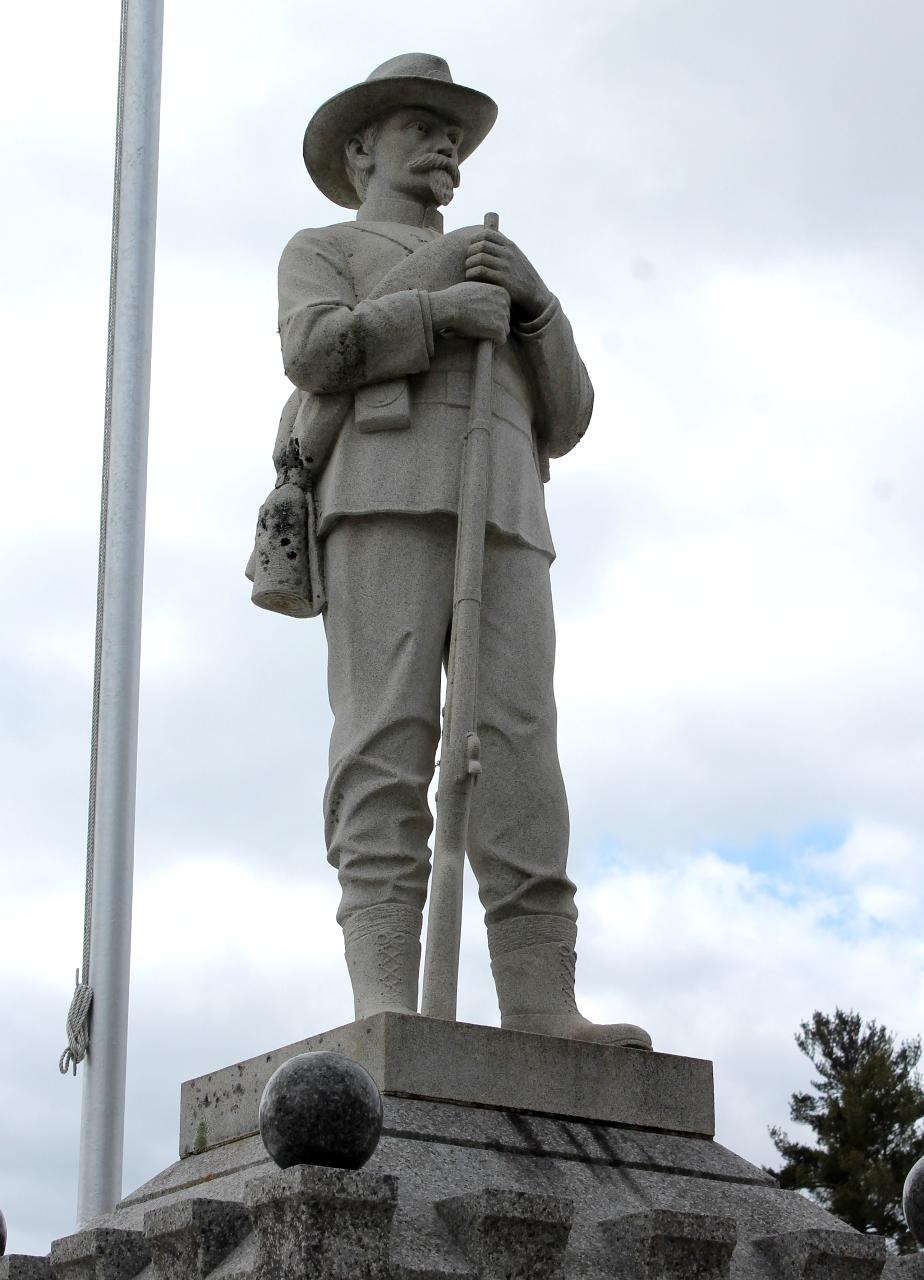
(135, 215)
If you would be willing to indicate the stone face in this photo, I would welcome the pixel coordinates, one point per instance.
(189, 1239)
(320, 1108)
(321, 1224)
(511, 1235)
(913, 1201)
(820, 1254)
(664, 1244)
(430, 1059)
(100, 1253)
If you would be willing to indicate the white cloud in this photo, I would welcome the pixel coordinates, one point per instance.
(667, 937)
(881, 867)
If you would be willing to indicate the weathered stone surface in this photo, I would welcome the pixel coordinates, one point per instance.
(100, 1253)
(511, 1235)
(422, 1247)
(190, 1238)
(488, 1139)
(664, 1244)
(383, 324)
(587, 1142)
(321, 1109)
(431, 1059)
(434, 1152)
(909, 1267)
(437, 1151)
(820, 1254)
(913, 1200)
(533, 961)
(24, 1266)
(321, 1224)
(391, 1218)
(382, 948)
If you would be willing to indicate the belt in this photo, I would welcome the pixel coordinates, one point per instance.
(455, 388)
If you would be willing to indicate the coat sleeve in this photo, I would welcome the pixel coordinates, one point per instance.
(564, 394)
(331, 341)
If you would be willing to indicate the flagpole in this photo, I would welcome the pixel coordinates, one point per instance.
(119, 621)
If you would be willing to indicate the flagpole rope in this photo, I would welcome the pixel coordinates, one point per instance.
(78, 1015)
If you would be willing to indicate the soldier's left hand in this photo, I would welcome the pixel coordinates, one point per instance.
(493, 259)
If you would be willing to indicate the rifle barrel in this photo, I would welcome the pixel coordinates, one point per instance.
(460, 747)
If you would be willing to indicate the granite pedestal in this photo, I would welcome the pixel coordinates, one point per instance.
(504, 1156)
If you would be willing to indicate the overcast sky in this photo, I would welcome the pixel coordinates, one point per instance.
(727, 197)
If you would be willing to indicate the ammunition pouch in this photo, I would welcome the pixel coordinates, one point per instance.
(285, 567)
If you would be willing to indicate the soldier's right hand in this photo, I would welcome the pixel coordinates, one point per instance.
(472, 310)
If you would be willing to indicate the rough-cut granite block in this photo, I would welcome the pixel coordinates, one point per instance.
(321, 1224)
(415, 1057)
(317, 1224)
(511, 1235)
(422, 1247)
(665, 1244)
(820, 1254)
(24, 1266)
(433, 1271)
(189, 1238)
(908, 1267)
(100, 1253)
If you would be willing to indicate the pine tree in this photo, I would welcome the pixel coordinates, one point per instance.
(863, 1110)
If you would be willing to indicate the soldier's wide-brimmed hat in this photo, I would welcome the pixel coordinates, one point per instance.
(410, 80)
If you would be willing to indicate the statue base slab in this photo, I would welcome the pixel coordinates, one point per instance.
(437, 1061)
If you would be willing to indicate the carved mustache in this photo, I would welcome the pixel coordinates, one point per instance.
(433, 160)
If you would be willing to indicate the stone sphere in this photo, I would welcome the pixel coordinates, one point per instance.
(913, 1200)
(2, 1234)
(321, 1108)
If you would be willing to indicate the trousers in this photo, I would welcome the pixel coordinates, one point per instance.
(389, 613)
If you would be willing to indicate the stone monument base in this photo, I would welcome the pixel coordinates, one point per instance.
(503, 1156)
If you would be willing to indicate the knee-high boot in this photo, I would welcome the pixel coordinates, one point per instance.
(382, 947)
(533, 962)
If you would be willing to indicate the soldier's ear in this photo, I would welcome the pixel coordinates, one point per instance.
(357, 155)
(359, 152)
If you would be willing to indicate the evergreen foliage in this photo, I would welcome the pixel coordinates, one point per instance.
(863, 1110)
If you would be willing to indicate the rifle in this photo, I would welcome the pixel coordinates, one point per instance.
(460, 747)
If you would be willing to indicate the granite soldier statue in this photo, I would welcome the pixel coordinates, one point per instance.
(378, 320)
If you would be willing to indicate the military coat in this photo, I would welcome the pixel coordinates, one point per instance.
(338, 339)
